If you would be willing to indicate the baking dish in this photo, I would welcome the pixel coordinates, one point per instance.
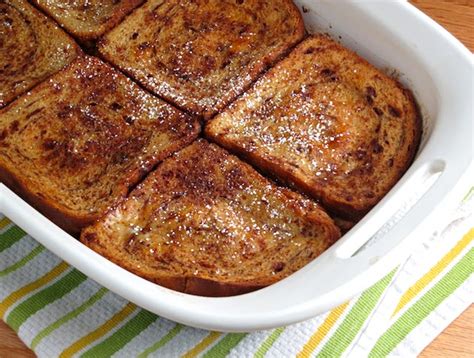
(393, 36)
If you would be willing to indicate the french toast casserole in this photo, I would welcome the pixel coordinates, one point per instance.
(210, 146)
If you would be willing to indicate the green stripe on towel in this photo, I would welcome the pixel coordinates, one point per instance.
(10, 237)
(122, 336)
(162, 342)
(424, 306)
(36, 251)
(350, 327)
(268, 343)
(225, 345)
(44, 297)
(71, 315)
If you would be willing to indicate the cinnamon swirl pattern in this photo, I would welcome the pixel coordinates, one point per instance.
(32, 48)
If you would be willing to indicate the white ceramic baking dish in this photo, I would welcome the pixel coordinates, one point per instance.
(392, 35)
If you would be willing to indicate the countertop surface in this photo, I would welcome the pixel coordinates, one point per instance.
(458, 339)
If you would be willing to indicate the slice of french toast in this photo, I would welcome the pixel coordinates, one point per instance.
(87, 20)
(200, 55)
(32, 47)
(206, 223)
(77, 143)
(328, 123)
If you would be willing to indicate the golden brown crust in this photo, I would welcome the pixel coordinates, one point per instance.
(32, 48)
(344, 225)
(203, 287)
(88, 20)
(192, 285)
(206, 223)
(325, 121)
(200, 55)
(66, 219)
(78, 142)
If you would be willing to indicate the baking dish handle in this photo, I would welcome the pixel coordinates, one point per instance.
(366, 262)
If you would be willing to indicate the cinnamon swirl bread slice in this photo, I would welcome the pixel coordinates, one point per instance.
(208, 224)
(202, 54)
(328, 123)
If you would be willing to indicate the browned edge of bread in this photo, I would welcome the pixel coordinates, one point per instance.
(66, 220)
(196, 285)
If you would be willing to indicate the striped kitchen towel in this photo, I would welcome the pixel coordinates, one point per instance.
(57, 311)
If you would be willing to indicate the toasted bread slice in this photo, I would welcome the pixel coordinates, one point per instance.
(87, 20)
(208, 224)
(200, 55)
(32, 48)
(327, 122)
(79, 141)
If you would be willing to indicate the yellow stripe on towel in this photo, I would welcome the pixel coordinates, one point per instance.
(322, 331)
(22, 292)
(206, 342)
(99, 331)
(424, 281)
(4, 222)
